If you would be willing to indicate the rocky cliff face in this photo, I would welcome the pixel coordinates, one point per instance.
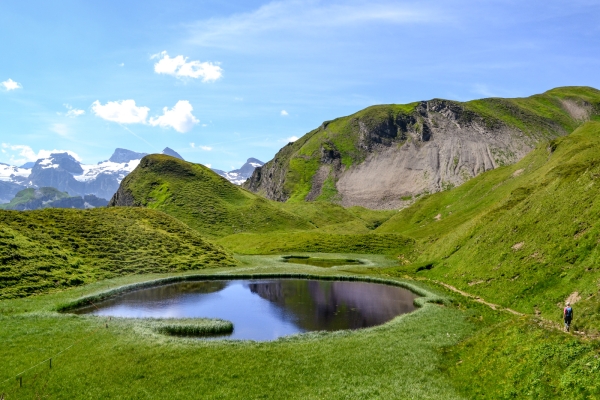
(385, 156)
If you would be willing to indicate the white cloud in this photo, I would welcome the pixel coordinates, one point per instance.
(73, 112)
(291, 139)
(26, 153)
(179, 117)
(206, 148)
(208, 165)
(204, 125)
(122, 65)
(284, 113)
(123, 112)
(180, 67)
(192, 145)
(9, 84)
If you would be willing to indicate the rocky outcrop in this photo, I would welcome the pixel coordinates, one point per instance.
(123, 155)
(385, 156)
(170, 152)
(123, 198)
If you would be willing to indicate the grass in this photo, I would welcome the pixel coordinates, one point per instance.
(27, 195)
(434, 352)
(216, 208)
(204, 200)
(53, 249)
(518, 359)
(196, 327)
(127, 360)
(525, 236)
(317, 242)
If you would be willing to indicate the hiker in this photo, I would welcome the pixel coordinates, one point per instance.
(568, 316)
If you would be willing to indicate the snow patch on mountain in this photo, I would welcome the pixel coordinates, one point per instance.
(9, 172)
(119, 170)
(239, 176)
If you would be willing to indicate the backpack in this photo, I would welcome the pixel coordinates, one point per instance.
(568, 313)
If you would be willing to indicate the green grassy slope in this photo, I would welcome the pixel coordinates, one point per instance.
(541, 116)
(204, 200)
(248, 223)
(27, 195)
(56, 248)
(525, 236)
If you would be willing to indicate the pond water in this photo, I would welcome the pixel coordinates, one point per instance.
(321, 262)
(268, 308)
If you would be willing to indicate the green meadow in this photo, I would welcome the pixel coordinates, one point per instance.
(493, 261)
(434, 352)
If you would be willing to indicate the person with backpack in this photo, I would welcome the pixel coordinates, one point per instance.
(568, 316)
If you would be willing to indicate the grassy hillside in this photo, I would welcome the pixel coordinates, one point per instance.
(545, 116)
(248, 223)
(525, 236)
(27, 195)
(56, 248)
(202, 199)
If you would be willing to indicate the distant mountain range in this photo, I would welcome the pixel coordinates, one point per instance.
(64, 173)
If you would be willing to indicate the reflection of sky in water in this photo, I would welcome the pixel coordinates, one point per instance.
(267, 309)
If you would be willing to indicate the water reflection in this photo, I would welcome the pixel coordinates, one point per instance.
(267, 309)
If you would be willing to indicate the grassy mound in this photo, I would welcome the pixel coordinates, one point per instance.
(202, 199)
(215, 207)
(57, 248)
(525, 236)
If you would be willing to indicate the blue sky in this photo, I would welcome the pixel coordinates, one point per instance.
(223, 81)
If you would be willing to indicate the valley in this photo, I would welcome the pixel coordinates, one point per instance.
(485, 209)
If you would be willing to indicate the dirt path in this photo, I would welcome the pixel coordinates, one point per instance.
(477, 298)
(542, 322)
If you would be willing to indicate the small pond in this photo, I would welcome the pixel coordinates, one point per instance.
(320, 262)
(268, 308)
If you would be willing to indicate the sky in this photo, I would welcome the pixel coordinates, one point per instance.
(220, 82)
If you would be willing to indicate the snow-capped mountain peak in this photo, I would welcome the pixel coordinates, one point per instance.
(239, 176)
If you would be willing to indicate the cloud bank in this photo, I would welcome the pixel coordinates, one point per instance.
(26, 153)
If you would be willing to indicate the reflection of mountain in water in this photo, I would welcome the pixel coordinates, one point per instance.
(325, 305)
(159, 293)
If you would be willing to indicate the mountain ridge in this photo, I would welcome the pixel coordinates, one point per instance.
(385, 156)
